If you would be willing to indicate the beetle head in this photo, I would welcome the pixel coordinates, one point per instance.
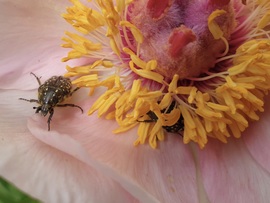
(45, 108)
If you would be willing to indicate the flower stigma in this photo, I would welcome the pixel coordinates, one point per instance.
(166, 63)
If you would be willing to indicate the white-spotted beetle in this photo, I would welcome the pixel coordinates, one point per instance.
(50, 94)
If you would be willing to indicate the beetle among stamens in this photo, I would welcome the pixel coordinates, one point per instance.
(50, 94)
(175, 128)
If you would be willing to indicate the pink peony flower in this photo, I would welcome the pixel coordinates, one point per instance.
(80, 159)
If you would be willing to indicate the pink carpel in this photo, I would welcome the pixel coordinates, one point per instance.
(179, 38)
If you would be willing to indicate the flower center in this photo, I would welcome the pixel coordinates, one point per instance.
(180, 41)
(195, 68)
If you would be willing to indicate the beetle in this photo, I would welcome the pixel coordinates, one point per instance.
(51, 93)
(175, 128)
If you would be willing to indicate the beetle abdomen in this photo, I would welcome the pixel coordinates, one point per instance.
(54, 90)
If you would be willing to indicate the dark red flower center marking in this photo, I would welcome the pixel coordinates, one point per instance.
(158, 7)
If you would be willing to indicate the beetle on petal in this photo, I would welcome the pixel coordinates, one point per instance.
(51, 94)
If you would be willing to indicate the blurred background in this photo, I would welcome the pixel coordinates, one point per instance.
(10, 194)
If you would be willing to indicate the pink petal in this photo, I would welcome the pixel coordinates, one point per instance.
(166, 174)
(45, 172)
(230, 174)
(257, 139)
(30, 38)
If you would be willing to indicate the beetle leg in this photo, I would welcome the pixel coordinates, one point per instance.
(147, 121)
(37, 109)
(152, 117)
(50, 118)
(72, 105)
(29, 100)
(70, 94)
(38, 78)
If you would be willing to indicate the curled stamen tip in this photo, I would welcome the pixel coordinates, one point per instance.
(219, 2)
(158, 8)
(180, 37)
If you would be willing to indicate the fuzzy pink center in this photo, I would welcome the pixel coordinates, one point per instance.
(177, 36)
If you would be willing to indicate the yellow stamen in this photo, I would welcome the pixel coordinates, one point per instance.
(150, 65)
(135, 31)
(217, 106)
(146, 73)
(166, 101)
(136, 87)
(215, 30)
(156, 134)
(264, 21)
(113, 44)
(173, 85)
(143, 131)
(213, 26)
(172, 117)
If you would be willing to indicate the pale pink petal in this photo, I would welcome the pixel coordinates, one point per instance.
(257, 138)
(30, 38)
(43, 171)
(166, 174)
(93, 164)
(230, 174)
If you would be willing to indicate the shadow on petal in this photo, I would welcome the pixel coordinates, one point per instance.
(257, 139)
(43, 171)
(229, 169)
(166, 174)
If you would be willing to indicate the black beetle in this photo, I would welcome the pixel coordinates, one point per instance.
(50, 94)
(175, 128)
